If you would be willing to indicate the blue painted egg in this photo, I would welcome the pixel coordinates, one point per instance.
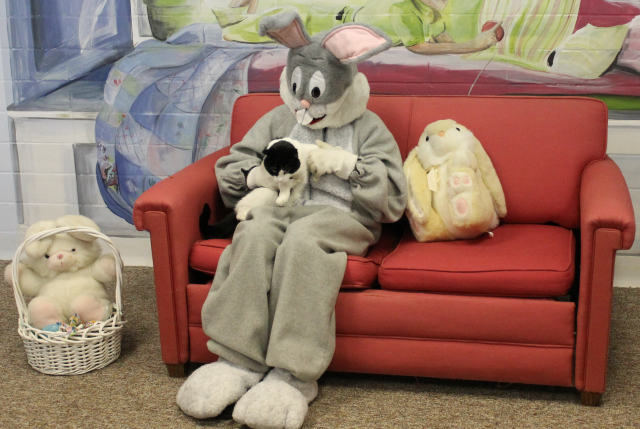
(54, 327)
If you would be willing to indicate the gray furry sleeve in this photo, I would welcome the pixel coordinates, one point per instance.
(245, 155)
(378, 182)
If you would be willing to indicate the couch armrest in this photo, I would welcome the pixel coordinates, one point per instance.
(184, 192)
(605, 202)
(170, 211)
(607, 224)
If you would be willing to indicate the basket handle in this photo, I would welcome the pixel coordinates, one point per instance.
(19, 297)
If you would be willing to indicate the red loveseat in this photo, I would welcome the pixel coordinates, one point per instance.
(530, 305)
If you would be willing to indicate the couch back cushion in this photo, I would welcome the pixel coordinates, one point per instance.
(539, 145)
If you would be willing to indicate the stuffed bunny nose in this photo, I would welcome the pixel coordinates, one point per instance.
(305, 104)
(60, 256)
(441, 133)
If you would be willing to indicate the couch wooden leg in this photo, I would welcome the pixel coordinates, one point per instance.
(590, 399)
(176, 370)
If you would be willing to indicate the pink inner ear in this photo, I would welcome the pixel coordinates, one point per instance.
(352, 41)
(290, 36)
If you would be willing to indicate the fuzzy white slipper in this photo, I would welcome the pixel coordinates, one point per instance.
(212, 387)
(280, 401)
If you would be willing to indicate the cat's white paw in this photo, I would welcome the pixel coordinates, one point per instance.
(281, 201)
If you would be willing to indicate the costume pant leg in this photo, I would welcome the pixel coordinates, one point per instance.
(308, 271)
(235, 314)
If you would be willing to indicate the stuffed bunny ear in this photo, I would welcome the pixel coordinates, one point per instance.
(285, 28)
(78, 220)
(40, 247)
(353, 43)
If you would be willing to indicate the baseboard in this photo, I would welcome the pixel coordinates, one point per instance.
(8, 245)
(627, 271)
(134, 251)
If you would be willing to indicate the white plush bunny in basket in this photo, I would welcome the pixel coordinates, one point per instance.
(66, 273)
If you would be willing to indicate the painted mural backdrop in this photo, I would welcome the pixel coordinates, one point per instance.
(168, 103)
(57, 41)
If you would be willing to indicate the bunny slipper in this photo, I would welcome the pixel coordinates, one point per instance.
(357, 169)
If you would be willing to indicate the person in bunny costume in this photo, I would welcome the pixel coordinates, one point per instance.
(270, 311)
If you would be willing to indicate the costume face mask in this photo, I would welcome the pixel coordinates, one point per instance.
(321, 69)
(315, 74)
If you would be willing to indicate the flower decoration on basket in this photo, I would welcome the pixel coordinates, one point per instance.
(65, 273)
(75, 325)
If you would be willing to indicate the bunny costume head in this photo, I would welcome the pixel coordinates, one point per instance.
(321, 84)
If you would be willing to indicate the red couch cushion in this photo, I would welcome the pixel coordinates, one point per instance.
(361, 272)
(520, 260)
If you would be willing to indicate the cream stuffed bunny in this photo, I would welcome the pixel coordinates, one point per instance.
(65, 273)
(454, 191)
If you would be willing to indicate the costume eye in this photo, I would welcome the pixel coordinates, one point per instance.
(317, 84)
(427, 139)
(457, 128)
(296, 79)
(46, 256)
(73, 250)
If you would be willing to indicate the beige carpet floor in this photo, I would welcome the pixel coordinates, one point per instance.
(135, 391)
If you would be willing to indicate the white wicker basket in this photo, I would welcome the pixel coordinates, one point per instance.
(59, 353)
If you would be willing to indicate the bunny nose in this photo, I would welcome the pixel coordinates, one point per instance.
(60, 256)
(441, 133)
(305, 104)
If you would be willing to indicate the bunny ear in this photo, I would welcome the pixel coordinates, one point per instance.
(78, 220)
(285, 28)
(353, 43)
(40, 247)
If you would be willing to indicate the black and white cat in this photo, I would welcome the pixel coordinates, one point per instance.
(285, 165)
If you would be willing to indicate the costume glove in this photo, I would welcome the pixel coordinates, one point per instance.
(257, 178)
(331, 159)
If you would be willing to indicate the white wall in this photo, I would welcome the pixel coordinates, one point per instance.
(8, 206)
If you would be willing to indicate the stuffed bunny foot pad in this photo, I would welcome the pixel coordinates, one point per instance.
(280, 401)
(460, 194)
(212, 387)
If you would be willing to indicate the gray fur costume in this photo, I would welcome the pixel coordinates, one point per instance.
(272, 301)
(306, 260)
